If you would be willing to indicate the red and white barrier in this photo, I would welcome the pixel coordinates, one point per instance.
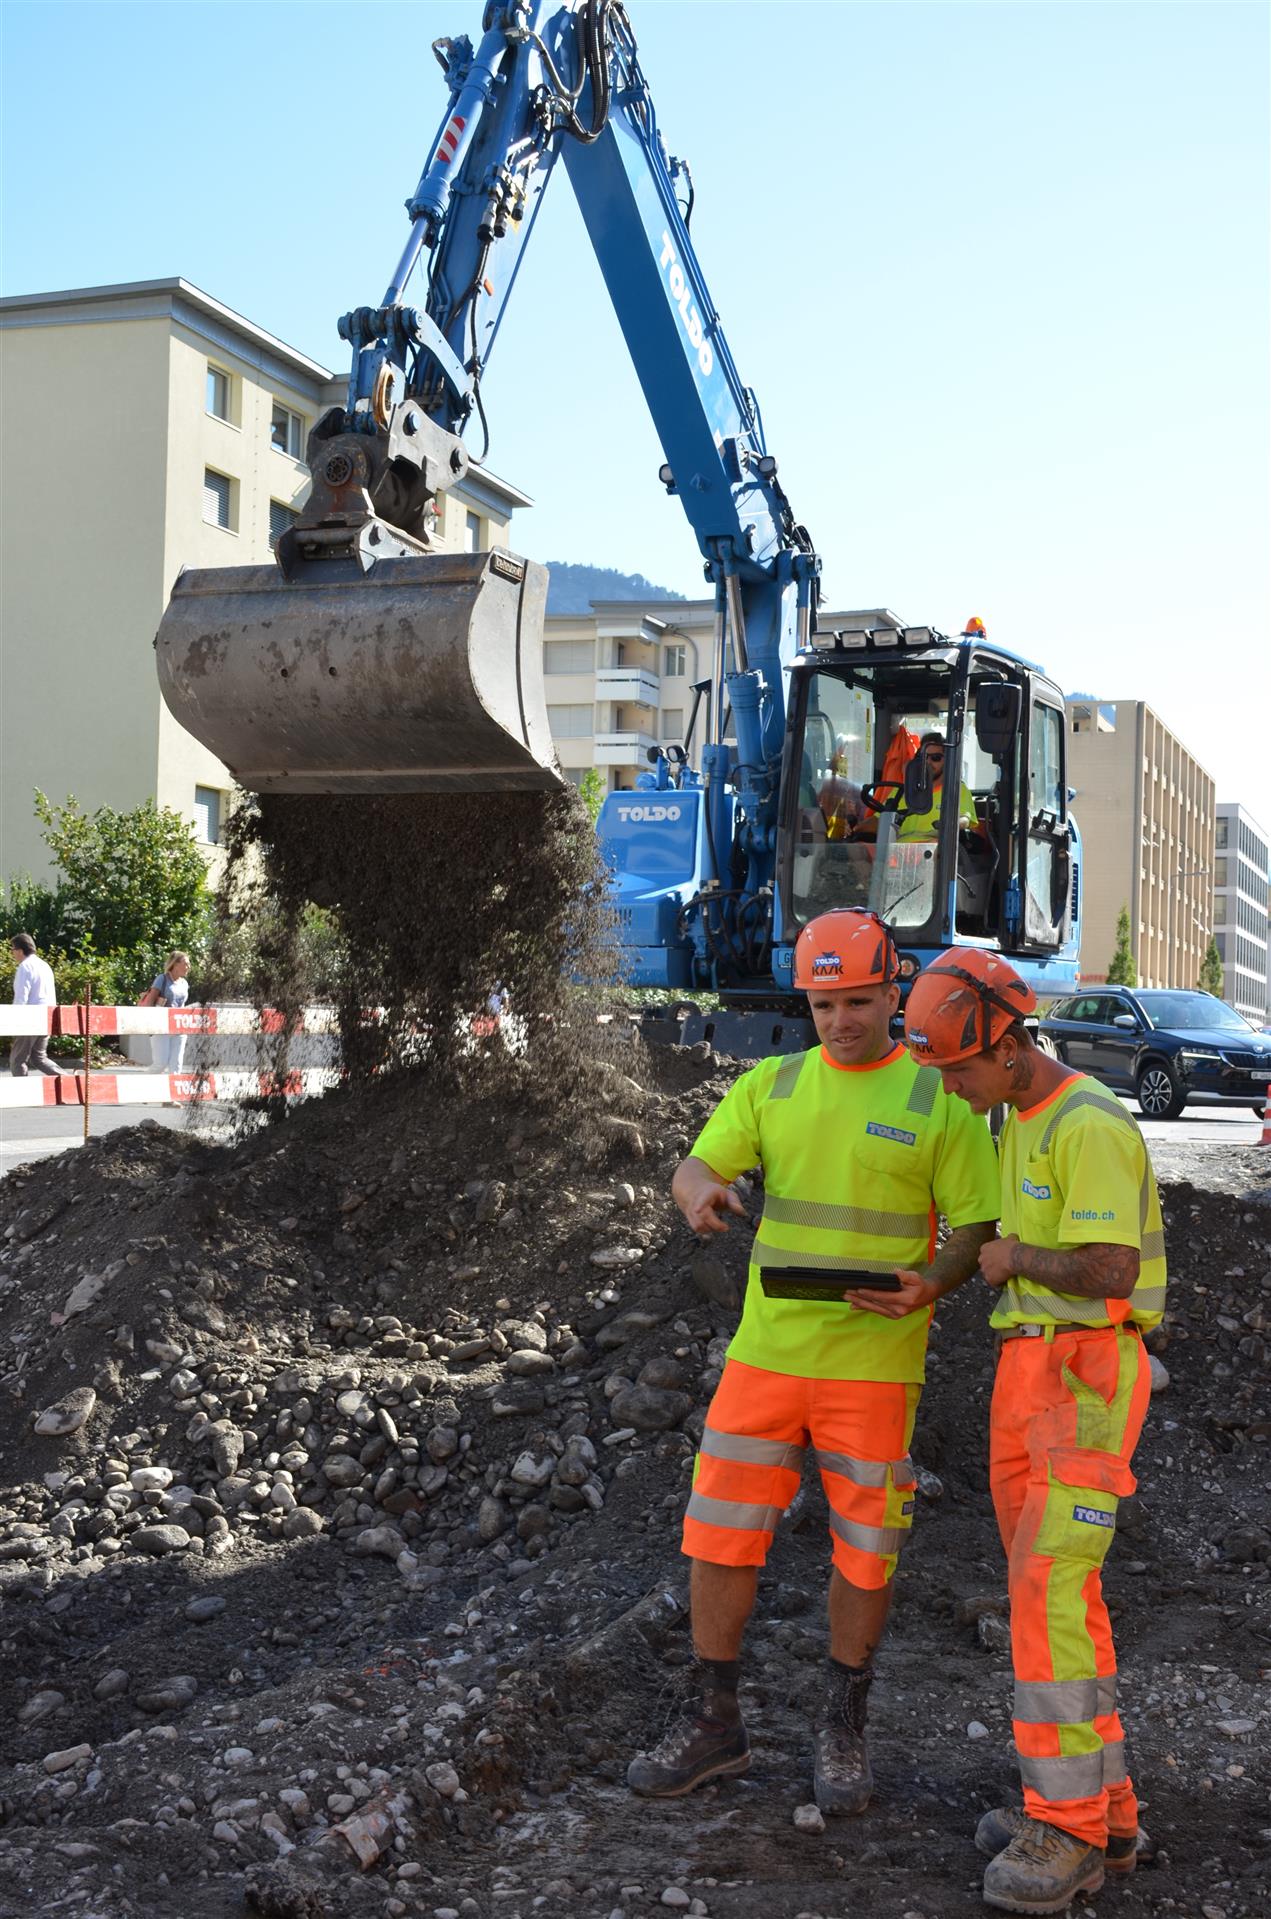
(108, 1022)
(153, 1089)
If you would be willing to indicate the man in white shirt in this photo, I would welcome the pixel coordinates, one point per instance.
(32, 986)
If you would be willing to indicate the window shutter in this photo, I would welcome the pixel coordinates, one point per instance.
(215, 498)
(280, 518)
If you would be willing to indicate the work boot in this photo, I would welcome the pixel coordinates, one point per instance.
(705, 1741)
(1042, 1870)
(842, 1777)
(997, 1829)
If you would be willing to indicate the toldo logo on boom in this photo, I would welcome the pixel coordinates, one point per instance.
(691, 319)
(650, 813)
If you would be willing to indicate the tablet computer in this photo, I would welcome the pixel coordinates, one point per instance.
(813, 1282)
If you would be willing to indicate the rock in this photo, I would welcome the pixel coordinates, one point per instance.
(160, 1539)
(713, 1280)
(648, 1408)
(528, 1362)
(150, 1479)
(492, 1518)
(303, 1523)
(1241, 1729)
(614, 1258)
(993, 1632)
(441, 1444)
(67, 1414)
(676, 1898)
(525, 1335)
(238, 1758)
(168, 1695)
(529, 1471)
(532, 1520)
(63, 1761)
(443, 1778)
(227, 1448)
(111, 1684)
(40, 1705)
(809, 1818)
(618, 1331)
(384, 1542)
(341, 1469)
(930, 1485)
(85, 1294)
(206, 1607)
(975, 1730)
(1159, 1376)
(662, 1371)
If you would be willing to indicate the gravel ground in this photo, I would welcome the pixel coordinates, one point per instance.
(340, 1480)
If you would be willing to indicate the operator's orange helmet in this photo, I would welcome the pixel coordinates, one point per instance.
(845, 947)
(962, 1005)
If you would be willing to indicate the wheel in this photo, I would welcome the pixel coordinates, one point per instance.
(1259, 1112)
(1158, 1092)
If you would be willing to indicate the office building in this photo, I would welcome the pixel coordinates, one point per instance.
(1242, 880)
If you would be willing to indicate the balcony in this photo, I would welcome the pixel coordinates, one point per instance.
(623, 749)
(634, 683)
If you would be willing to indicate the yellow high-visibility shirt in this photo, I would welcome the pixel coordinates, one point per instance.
(926, 826)
(1075, 1172)
(857, 1162)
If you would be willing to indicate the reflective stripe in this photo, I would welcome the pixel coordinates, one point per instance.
(1114, 1763)
(1079, 1775)
(1148, 1299)
(751, 1452)
(786, 1076)
(731, 1512)
(766, 1257)
(844, 1219)
(923, 1097)
(1085, 1099)
(1033, 1302)
(1152, 1245)
(868, 1539)
(1107, 1685)
(1056, 1702)
(867, 1472)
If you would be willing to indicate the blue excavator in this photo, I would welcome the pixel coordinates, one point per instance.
(364, 660)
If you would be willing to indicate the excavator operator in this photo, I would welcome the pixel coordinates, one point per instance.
(860, 1149)
(1079, 1275)
(926, 825)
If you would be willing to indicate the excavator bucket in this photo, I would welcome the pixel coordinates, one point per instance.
(421, 674)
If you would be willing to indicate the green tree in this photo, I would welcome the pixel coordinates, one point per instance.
(1122, 971)
(132, 885)
(591, 791)
(1211, 973)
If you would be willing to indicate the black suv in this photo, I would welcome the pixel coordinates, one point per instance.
(1165, 1047)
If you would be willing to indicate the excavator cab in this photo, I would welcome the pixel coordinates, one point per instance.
(363, 660)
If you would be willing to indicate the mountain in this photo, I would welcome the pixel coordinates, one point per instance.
(573, 588)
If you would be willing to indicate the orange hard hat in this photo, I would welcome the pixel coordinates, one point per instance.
(962, 1004)
(844, 947)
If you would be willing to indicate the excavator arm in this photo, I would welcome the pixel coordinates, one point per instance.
(365, 660)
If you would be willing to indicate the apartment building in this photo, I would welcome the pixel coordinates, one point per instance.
(1146, 808)
(619, 681)
(144, 428)
(1242, 886)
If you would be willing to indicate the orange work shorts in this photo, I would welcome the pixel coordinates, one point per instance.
(758, 1428)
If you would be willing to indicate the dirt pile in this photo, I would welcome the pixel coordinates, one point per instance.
(343, 1469)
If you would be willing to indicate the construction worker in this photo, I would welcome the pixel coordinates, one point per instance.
(1079, 1274)
(926, 826)
(859, 1150)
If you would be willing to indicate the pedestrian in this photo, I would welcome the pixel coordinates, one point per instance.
(859, 1149)
(1079, 1274)
(32, 986)
(170, 988)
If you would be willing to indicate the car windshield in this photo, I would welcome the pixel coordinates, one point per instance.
(1192, 1012)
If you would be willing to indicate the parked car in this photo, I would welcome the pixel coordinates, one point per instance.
(1165, 1047)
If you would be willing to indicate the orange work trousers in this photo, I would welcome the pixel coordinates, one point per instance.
(1067, 1412)
(748, 1468)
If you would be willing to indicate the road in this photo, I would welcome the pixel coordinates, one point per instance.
(30, 1133)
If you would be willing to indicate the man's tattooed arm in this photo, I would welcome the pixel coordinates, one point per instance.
(959, 1256)
(1089, 1272)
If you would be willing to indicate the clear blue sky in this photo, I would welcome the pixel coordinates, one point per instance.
(999, 273)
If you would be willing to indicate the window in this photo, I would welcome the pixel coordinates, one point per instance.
(673, 723)
(286, 431)
(472, 533)
(674, 661)
(280, 518)
(569, 656)
(218, 392)
(207, 814)
(570, 722)
(1220, 835)
(216, 499)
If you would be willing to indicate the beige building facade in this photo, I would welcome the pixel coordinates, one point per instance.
(1146, 809)
(619, 682)
(143, 428)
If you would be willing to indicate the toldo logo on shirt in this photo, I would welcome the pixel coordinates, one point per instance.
(827, 966)
(1036, 1192)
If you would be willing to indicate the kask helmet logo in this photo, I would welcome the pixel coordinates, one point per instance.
(827, 965)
